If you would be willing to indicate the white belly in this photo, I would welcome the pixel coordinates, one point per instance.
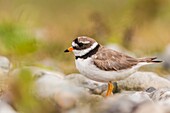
(88, 69)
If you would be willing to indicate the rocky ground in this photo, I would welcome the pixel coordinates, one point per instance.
(54, 92)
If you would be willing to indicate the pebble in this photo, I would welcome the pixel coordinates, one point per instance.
(143, 80)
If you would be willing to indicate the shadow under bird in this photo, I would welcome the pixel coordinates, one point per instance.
(101, 64)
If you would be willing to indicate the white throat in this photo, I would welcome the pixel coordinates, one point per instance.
(84, 51)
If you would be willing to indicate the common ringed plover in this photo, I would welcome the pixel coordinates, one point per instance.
(101, 64)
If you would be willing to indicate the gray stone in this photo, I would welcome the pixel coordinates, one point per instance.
(140, 97)
(150, 108)
(124, 102)
(150, 89)
(5, 65)
(66, 99)
(117, 104)
(6, 108)
(81, 81)
(168, 77)
(161, 96)
(142, 81)
(54, 86)
(47, 86)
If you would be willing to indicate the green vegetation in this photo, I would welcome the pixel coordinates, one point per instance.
(16, 40)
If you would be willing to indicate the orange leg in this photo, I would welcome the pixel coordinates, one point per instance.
(110, 88)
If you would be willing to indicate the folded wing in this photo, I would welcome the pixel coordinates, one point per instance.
(110, 60)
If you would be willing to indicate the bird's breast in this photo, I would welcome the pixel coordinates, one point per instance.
(88, 69)
(83, 65)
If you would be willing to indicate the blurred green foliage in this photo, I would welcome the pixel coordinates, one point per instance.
(16, 39)
(24, 99)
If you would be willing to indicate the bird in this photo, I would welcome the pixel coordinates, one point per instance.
(102, 64)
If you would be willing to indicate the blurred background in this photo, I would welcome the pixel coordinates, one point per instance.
(36, 32)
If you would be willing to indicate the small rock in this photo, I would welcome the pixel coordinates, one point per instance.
(150, 108)
(140, 97)
(100, 89)
(6, 108)
(47, 86)
(117, 104)
(142, 81)
(5, 65)
(136, 102)
(65, 100)
(81, 81)
(150, 89)
(124, 102)
(168, 77)
(161, 96)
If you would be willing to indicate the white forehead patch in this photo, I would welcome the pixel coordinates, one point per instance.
(85, 42)
(74, 44)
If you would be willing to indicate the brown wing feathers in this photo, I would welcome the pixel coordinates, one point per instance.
(107, 59)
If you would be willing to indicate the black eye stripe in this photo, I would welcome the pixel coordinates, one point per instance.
(77, 42)
(80, 44)
(74, 47)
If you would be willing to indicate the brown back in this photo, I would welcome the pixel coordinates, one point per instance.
(110, 60)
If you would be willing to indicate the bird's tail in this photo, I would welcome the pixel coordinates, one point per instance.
(150, 60)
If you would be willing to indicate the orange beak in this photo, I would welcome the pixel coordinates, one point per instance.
(70, 49)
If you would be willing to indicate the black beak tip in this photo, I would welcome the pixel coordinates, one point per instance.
(66, 50)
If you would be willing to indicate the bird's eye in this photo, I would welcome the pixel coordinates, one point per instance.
(80, 44)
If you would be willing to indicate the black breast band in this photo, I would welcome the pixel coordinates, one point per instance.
(90, 53)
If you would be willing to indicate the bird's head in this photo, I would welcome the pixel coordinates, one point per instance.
(82, 45)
